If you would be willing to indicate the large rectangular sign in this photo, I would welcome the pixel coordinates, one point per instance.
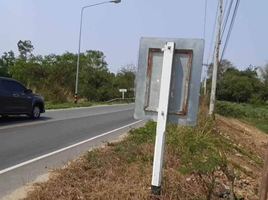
(185, 79)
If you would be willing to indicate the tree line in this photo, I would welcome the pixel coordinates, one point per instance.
(241, 86)
(53, 76)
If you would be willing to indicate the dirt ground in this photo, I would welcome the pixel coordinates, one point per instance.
(112, 176)
(247, 137)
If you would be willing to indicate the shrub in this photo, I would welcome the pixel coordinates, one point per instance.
(228, 109)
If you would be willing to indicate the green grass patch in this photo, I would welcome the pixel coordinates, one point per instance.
(198, 151)
(254, 114)
(260, 123)
(130, 149)
(65, 105)
(198, 148)
(229, 146)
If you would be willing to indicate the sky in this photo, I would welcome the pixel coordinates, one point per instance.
(116, 29)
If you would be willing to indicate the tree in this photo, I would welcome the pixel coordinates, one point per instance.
(264, 79)
(239, 86)
(223, 66)
(129, 67)
(264, 93)
(125, 78)
(264, 72)
(6, 60)
(54, 76)
(25, 47)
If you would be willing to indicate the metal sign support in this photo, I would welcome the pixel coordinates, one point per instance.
(162, 117)
(123, 92)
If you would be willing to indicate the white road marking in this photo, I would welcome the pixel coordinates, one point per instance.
(63, 149)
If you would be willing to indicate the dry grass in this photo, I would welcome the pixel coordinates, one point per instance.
(105, 174)
(192, 157)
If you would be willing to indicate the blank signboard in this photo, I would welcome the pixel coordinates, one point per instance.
(185, 80)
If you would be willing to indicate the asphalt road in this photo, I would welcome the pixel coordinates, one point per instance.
(22, 139)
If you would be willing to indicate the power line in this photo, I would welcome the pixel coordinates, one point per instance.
(224, 24)
(230, 28)
(225, 8)
(205, 23)
(212, 35)
(205, 19)
(226, 17)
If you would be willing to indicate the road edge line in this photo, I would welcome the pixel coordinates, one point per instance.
(63, 149)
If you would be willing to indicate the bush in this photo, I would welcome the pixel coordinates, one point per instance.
(256, 100)
(256, 115)
(229, 109)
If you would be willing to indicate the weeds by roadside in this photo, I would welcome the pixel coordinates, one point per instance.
(64, 105)
(198, 164)
(256, 115)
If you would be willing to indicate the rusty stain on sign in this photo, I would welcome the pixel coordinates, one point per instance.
(183, 109)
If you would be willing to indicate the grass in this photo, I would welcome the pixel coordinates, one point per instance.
(64, 105)
(122, 170)
(82, 103)
(230, 146)
(260, 123)
(254, 114)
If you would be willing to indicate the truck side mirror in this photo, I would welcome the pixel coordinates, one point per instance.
(29, 91)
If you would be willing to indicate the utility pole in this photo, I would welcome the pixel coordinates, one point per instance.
(216, 60)
(205, 81)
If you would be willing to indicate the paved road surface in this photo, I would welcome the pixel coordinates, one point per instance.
(22, 139)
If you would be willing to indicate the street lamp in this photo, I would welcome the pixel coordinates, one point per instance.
(79, 45)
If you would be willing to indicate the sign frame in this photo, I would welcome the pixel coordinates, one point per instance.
(194, 48)
(157, 89)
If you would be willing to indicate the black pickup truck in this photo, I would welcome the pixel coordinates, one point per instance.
(15, 99)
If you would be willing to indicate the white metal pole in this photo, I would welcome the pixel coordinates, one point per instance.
(78, 57)
(162, 117)
(216, 61)
(79, 43)
(123, 95)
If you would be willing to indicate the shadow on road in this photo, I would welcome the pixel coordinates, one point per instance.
(14, 120)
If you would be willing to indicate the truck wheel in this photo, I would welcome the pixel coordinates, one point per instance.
(35, 112)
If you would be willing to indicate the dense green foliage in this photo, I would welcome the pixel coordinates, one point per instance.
(6, 60)
(241, 110)
(245, 86)
(255, 114)
(53, 76)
